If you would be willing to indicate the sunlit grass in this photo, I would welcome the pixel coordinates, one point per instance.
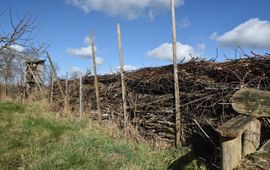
(31, 138)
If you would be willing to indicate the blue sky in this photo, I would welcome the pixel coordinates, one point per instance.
(202, 27)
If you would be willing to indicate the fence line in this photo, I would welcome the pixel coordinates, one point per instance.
(178, 129)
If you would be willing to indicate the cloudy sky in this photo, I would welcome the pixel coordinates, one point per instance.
(203, 28)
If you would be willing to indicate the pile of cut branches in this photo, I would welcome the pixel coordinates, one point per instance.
(205, 90)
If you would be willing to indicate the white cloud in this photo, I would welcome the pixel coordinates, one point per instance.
(185, 22)
(126, 68)
(75, 72)
(253, 33)
(75, 69)
(214, 35)
(18, 48)
(129, 9)
(201, 47)
(164, 52)
(99, 60)
(84, 52)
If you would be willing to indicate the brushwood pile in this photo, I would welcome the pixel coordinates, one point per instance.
(205, 90)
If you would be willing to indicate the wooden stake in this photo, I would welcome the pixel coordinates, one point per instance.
(55, 75)
(176, 83)
(81, 94)
(95, 77)
(66, 108)
(122, 74)
(66, 84)
(52, 83)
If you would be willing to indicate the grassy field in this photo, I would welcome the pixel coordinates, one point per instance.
(32, 138)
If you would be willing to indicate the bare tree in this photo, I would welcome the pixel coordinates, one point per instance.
(8, 67)
(21, 29)
(16, 46)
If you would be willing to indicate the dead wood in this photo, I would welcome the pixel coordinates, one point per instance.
(205, 86)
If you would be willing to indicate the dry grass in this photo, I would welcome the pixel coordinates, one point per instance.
(35, 138)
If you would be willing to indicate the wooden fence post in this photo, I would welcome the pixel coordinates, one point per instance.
(176, 83)
(122, 74)
(52, 83)
(66, 84)
(81, 94)
(58, 83)
(54, 72)
(95, 77)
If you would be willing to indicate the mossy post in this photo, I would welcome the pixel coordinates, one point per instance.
(176, 83)
(252, 102)
(95, 77)
(122, 74)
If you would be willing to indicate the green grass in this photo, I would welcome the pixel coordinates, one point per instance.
(31, 138)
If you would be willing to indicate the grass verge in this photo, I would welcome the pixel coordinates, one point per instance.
(32, 138)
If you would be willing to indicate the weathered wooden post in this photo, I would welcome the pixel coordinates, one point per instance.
(251, 138)
(55, 75)
(95, 77)
(52, 84)
(88, 107)
(122, 74)
(176, 83)
(58, 83)
(240, 136)
(81, 95)
(66, 84)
